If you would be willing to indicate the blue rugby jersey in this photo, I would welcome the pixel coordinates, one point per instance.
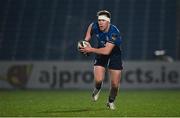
(113, 60)
(112, 36)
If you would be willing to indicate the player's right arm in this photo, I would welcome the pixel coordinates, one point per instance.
(88, 33)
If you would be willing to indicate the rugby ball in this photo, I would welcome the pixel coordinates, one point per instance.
(82, 44)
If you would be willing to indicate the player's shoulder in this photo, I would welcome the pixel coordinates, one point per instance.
(114, 32)
(94, 27)
(94, 24)
(114, 29)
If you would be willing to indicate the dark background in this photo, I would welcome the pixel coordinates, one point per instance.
(49, 29)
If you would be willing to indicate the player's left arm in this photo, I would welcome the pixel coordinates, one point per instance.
(115, 39)
(104, 51)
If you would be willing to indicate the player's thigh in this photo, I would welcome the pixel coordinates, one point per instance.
(99, 72)
(115, 76)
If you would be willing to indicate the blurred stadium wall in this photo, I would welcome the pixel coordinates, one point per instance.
(178, 29)
(79, 75)
(38, 42)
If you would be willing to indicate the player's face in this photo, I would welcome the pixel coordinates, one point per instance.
(103, 24)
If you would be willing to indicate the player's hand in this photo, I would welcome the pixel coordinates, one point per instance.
(87, 49)
(81, 45)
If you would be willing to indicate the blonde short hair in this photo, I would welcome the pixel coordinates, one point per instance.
(104, 12)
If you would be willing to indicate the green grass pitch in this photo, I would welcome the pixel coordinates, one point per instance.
(77, 103)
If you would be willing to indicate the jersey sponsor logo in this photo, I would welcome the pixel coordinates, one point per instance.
(114, 36)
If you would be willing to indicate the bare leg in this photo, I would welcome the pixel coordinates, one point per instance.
(115, 76)
(98, 78)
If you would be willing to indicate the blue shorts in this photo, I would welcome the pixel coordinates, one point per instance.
(112, 62)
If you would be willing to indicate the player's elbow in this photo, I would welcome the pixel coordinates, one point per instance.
(106, 52)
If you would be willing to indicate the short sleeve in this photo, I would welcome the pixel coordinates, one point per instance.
(115, 38)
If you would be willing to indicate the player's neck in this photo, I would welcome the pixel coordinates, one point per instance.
(107, 29)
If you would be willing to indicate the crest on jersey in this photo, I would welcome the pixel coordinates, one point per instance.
(114, 36)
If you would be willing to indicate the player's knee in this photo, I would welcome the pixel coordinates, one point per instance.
(115, 85)
(98, 80)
